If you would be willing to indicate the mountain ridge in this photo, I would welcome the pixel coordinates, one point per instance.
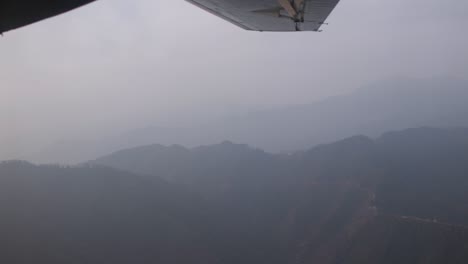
(379, 107)
(400, 198)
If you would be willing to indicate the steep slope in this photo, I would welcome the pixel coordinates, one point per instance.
(208, 167)
(426, 174)
(316, 204)
(420, 172)
(94, 215)
(400, 198)
(390, 239)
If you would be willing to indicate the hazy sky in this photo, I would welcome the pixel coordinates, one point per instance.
(119, 64)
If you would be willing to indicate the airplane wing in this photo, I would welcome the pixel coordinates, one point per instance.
(271, 15)
(18, 13)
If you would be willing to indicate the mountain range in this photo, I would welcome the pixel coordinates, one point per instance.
(383, 106)
(398, 198)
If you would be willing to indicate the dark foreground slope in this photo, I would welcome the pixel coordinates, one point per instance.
(397, 199)
(94, 215)
(393, 239)
(421, 172)
(327, 195)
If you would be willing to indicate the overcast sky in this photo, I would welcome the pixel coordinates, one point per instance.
(119, 64)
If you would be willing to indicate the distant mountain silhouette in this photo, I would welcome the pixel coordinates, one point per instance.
(370, 111)
(417, 166)
(400, 194)
(400, 198)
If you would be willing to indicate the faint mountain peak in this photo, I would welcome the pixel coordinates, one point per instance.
(386, 105)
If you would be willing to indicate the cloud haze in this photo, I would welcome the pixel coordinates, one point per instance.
(117, 65)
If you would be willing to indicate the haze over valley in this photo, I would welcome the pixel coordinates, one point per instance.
(374, 109)
(138, 132)
(400, 198)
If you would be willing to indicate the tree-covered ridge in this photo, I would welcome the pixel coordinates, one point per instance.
(399, 198)
(421, 172)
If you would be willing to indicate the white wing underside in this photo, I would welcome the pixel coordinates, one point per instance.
(271, 15)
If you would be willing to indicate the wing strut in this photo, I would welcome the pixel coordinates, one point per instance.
(294, 9)
(288, 7)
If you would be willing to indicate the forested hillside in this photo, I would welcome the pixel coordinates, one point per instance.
(396, 199)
